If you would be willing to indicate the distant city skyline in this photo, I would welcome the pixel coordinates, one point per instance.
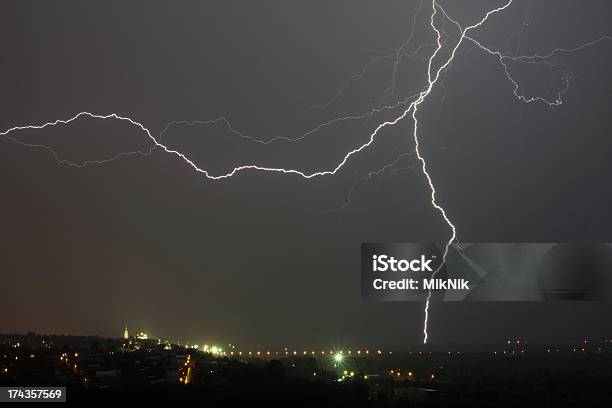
(101, 229)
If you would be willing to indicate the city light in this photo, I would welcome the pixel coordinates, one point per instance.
(268, 266)
(142, 336)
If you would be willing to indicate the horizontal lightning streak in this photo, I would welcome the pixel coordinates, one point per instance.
(234, 171)
(413, 108)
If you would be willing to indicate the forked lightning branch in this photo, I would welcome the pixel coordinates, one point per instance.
(438, 62)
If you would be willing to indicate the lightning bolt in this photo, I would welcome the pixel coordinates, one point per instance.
(537, 59)
(433, 76)
(417, 103)
(502, 58)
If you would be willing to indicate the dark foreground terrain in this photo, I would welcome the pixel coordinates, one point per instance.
(152, 372)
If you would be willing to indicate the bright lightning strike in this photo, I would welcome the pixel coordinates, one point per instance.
(530, 59)
(417, 103)
(433, 76)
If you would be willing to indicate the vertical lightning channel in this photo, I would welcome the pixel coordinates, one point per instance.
(413, 106)
(431, 82)
(409, 105)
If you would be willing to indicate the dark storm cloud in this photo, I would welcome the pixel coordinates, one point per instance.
(270, 259)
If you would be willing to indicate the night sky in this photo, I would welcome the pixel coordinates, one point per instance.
(271, 259)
